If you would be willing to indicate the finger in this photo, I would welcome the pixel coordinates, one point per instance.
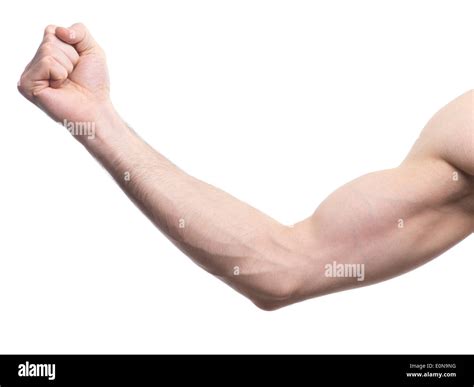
(57, 75)
(44, 73)
(52, 41)
(49, 30)
(53, 50)
(78, 36)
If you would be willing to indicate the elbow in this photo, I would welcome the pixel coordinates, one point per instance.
(277, 278)
(279, 293)
(269, 306)
(271, 273)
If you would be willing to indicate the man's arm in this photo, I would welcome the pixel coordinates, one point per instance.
(386, 222)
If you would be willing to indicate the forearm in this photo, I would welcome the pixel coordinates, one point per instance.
(227, 237)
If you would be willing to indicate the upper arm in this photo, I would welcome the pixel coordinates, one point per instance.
(449, 135)
(394, 220)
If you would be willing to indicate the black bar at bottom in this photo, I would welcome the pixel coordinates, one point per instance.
(136, 370)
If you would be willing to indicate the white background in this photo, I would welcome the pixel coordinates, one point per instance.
(276, 102)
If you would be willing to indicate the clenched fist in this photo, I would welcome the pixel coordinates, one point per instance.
(67, 77)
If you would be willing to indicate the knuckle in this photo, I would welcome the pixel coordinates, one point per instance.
(47, 60)
(21, 83)
(24, 86)
(50, 29)
(64, 74)
(47, 47)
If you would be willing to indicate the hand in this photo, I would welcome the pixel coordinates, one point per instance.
(67, 78)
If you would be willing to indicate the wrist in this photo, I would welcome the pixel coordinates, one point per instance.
(106, 127)
(108, 133)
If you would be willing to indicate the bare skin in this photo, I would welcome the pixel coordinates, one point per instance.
(390, 221)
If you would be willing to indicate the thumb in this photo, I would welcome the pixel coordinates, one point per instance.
(78, 36)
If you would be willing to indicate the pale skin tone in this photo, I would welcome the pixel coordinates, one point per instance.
(391, 221)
